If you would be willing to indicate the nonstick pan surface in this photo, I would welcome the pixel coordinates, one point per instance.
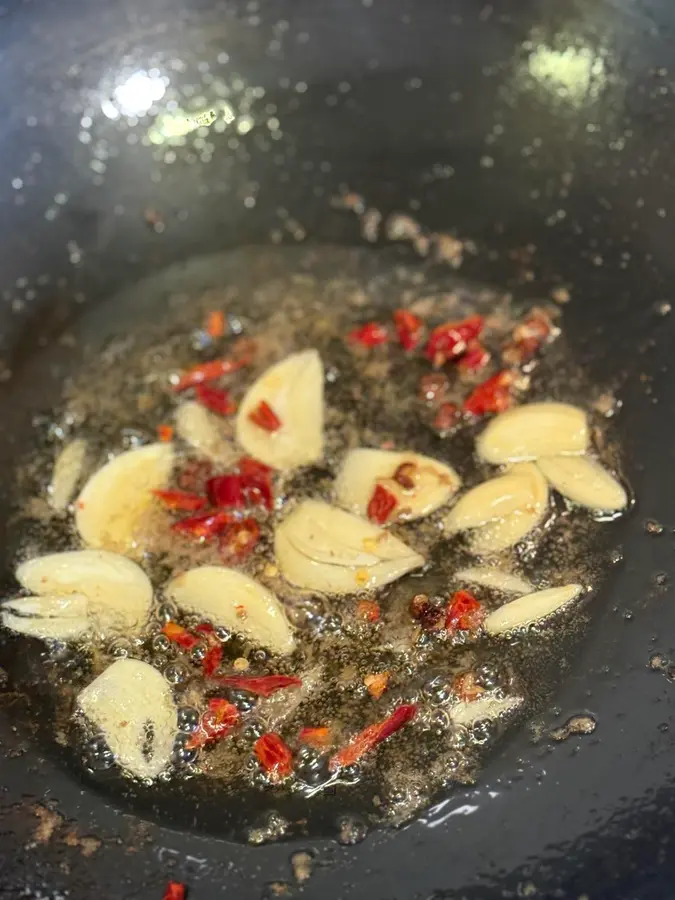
(542, 134)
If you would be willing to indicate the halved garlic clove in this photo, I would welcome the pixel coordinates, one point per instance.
(293, 389)
(132, 705)
(110, 510)
(322, 548)
(226, 597)
(66, 475)
(420, 484)
(491, 500)
(492, 577)
(530, 609)
(201, 430)
(48, 617)
(534, 430)
(507, 531)
(118, 593)
(584, 481)
(486, 707)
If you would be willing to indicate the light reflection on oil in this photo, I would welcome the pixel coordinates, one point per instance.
(575, 74)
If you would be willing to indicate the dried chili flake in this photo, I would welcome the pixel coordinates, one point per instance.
(319, 738)
(450, 340)
(205, 628)
(179, 635)
(204, 526)
(377, 684)
(240, 538)
(405, 475)
(430, 616)
(210, 371)
(165, 433)
(264, 417)
(175, 891)
(185, 501)
(434, 387)
(212, 660)
(409, 328)
(256, 482)
(475, 358)
(373, 735)
(368, 610)
(225, 492)
(195, 475)
(381, 505)
(492, 396)
(447, 416)
(260, 685)
(528, 336)
(464, 612)
(372, 334)
(216, 324)
(467, 688)
(216, 400)
(274, 755)
(217, 722)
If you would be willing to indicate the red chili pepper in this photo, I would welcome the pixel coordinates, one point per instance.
(204, 526)
(372, 334)
(240, 538)
(318, 738)
(215, 399)
(408, 328)
(209, 371)
(205, 628)
(368, 610)
(492, 396)
(217, 722)
(475, 358)
(261, 685)
(179, 635)
(212, 660)
(274, 755)
(429, 615)
(225, 491)
(381, 505)
(527, 337)
(447, 417)
(463, 612)
(185, 501)
(256, 482)
(174, 891)
(195, 475)
(165, 433)
(264, 417)
(216, 323)
(373, 735)
(450, 340)
(434, 387)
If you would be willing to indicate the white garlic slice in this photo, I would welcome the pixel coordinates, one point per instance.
(492, 577)
(227, 597)
(507, 531)
(322, 548)
(293, 388)
(491, 500)
(433, 482)
(534, 430)
(132, 705)
(116, 499)
(202, 431)
(530, 609)
(66, 475)
(584, 481)
(85, 590)
(487, 706)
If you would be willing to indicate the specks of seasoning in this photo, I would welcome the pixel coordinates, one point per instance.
(583, 724)
(302, 863)
(651, 526)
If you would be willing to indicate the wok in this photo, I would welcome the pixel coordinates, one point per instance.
(540, 131)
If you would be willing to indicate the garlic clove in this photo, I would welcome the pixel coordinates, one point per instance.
(132, 705)
(502, 533)
(491, 500)
(494, 578)
(48, 628)
(530, 609)
(532, 431)
(322, 548)
(487, 706)
(67, 472)
(293, 388)
(432, 483)
(50, 606)
(115, 501)
(227, 597)
(203, 432)
(584, 481)
(49, 616)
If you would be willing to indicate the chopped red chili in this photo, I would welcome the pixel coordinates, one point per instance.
(376, 684)
(204, 526)
(409, 328)
(185, 501)
(492, 396)
(405, 475)
(319, 738)
(225, 492)
(447, 416)
(216, 323)
(264, 417)
(368, 610)
(217, 722)
(428, 614)
(179, 635)
(209, 371)
(434, 387)
(467, 688)
(175, 891)
(215, 399)
(205, 628)
(464, 612)
(261, 685)
(212, 660)
(373, 735)
(475, 358)
(165, 433)
(240, 538)
(450, 340)
(372, 334)
(274, 755)
(256, 482)
(381, 505)
(528, 336)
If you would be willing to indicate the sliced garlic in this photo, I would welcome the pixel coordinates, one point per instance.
(293, 388)
(433, 483)
(67, 472)
(116, 499)
(492, 577)
(487, 706)
(202, 430)
(491, 500)
(226, 597)
(80, 591)
(507, 531)
(132, 705)
(322, 548)
(530, 609)
(534, 430)
(584, 481)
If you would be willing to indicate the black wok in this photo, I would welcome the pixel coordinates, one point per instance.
(540, 131)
